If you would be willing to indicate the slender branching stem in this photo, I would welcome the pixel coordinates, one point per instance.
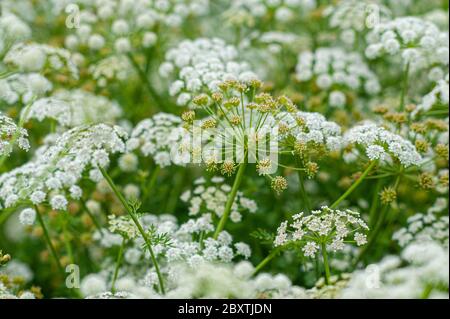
(151, 183)
(266, 260)
(16, 135)
(118, 263)
(144, 78)
(354, 185)
(230, 200)
(325, 263)
(93, 218)
(404, 87)
(48, 240)
(138, 225)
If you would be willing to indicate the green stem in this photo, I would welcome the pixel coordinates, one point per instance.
(94, 220)
(151, 184)
(175, 193)
(404, 88)
(118, 263)
(354, 185)
(427, 291)
(230, 200)
(155, 96)
(374, 234)
(303, 193)
(266, 260)
(67, 238)
(48, 241)
(5, 215)
(20, 126)
(138, 225)
(325, 263)
(374, 205)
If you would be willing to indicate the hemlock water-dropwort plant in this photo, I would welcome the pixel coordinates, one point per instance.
(325, 229)
(224, 149)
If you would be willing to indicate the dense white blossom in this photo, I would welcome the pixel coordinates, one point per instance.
(11, 134)
(23, 87)
(438, 96)
(35, 57)
(58, 167)
(334, 228)
(420, 272)
(381, 144)
(419, 43)
(202, 64)
(211, 197)
(75, 108)
(336, 71)
(432, 226)
(159, 137)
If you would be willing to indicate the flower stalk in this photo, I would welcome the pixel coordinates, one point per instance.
(354, 185)
(230, 200)
(138, 225)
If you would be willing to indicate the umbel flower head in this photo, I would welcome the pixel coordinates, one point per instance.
(244, 124)
(23, 87)
(309, 134)
(353, 17)
(75, 108)
(437, 98)
(184, 242)
(33, 57)
(264, 12)
(336, 72)
(326, 226)
(12, 30)
(210, 197)
(54, 173)
(128, 25)
(379, 144)
(432, 226)
(159, 137)
(420, 43)
(10, 133)
(420, 265)
(200, 65)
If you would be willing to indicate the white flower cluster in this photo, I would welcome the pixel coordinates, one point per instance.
(188, 241)
(11, 133)
(312, 128)
(282, 11)
(380, 144)
(420, 43)
(75, 108)
(425, 275)
(206, 280)
(27, 216)
(129, 24)
(325, 226)
(209, 280)
(22, 87)
(12, 30)
(354, 17)
(426, 227)
(33, 57)
(202, 64)
(336, 71)
(122, 225)
(438, 96)
(110, 69)
(210, 198)
(57, 168)
(159, 137)
(12, 273)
